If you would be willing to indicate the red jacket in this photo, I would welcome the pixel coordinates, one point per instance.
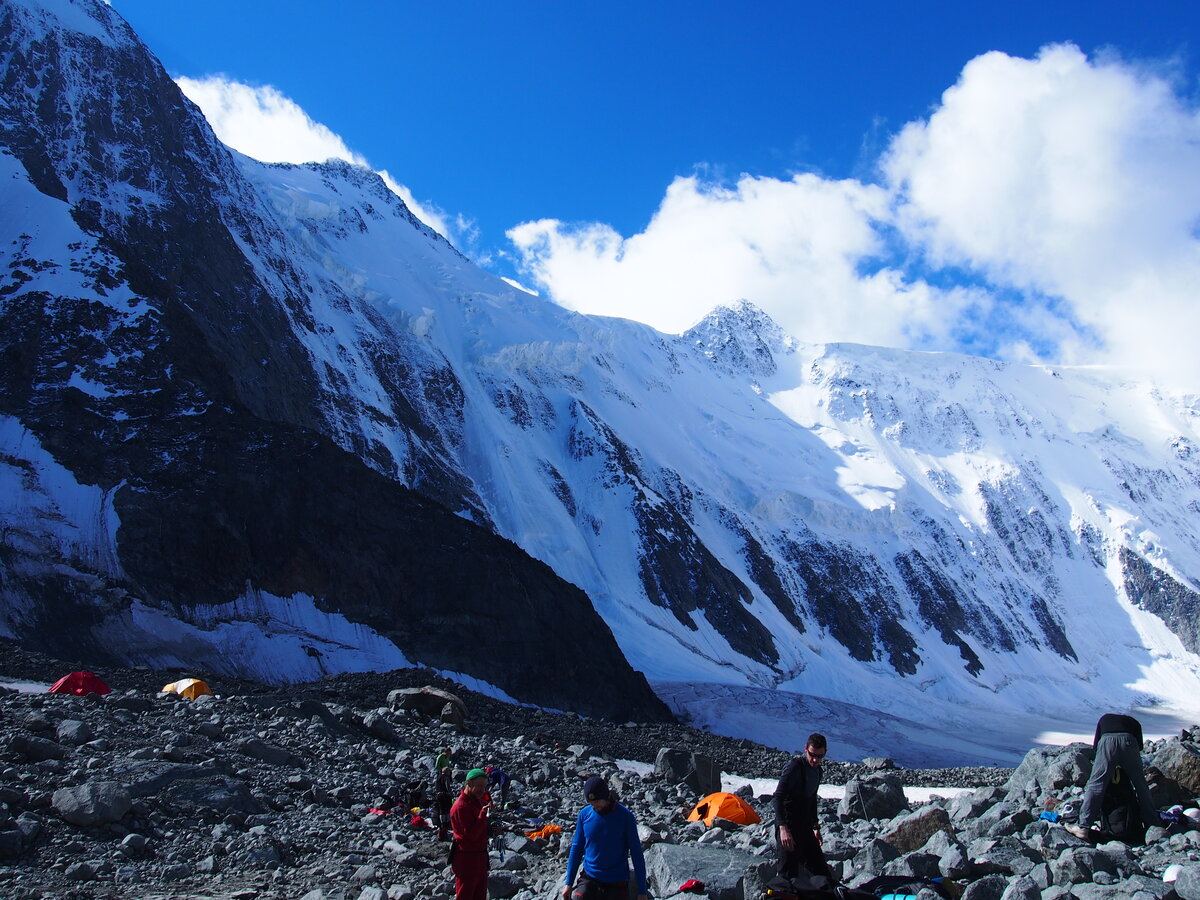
(469, 824)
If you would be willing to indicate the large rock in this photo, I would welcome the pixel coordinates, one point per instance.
(912, 831)
(96, 803)
(1179, 764)
(1047, 770)
(721, 869)
(876, 797)
(1004, 856)
(429, 701)
(36, 749)
(990, 887)
(697, 772)
(1187, 885)
(268, 753)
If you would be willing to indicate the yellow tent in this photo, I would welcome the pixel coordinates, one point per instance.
(187, 688)
(723, 806)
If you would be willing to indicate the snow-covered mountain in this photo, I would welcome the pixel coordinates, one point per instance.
(260, 418)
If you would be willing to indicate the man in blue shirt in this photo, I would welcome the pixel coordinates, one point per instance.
(606, 837)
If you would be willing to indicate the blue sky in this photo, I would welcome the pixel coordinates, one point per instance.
(651, 159)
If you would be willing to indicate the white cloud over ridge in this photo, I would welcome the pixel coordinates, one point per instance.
(265, 124)
(1047, 208)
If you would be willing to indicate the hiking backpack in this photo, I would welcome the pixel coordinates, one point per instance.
(1120, 812)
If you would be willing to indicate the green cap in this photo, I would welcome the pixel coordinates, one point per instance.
(476, 773)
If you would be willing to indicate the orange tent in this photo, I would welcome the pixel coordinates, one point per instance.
(723, 806)
(80, 683)
(187, 688)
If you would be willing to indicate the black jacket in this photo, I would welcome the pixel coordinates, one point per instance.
(796, 795)
(1112, 723)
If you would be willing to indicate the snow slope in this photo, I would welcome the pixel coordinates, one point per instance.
(929, 556)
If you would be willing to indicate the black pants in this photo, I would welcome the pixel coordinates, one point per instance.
(588, 888)
(808, 853)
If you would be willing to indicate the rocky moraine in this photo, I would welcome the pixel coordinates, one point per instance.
(302, 791)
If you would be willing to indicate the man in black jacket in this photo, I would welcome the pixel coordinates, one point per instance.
(1118, 742)
(798, 830)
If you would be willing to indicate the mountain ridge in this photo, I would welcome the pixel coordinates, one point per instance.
(909, 532)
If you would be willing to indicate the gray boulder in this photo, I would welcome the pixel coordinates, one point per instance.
(1023, 888)
(96, 803)
(268, 753)
(1187, 885)
(1046, 770)
(1003, 856)
(876, 797)
(429, 701)
(36, 749)
(699, 773)
(721, 869)
(73, 732)
(990, 887)
(1080, 864)
(911, 832)
(504, 883)
(1179, 764)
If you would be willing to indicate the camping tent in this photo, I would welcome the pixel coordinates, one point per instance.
(723, 806)
(80, 683)
(187, 688)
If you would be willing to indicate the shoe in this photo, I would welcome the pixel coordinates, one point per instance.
(1078, 830)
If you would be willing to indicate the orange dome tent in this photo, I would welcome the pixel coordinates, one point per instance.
(79, 684)
(187, 688)
(723, 806)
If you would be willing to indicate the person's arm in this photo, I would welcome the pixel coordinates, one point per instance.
(457, 825)
(576, 855)
(636, 855)
(785, 793)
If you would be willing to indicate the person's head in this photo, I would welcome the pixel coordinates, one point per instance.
(815, 749)
(597, 793)
(477, 782)
(446, 751)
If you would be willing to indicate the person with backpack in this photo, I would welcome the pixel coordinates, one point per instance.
(606, 836)
(798, 829)
(1118, 745)
(471, 831)
(498, 778)
(443, 798)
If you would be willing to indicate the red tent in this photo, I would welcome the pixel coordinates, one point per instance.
(80, 683)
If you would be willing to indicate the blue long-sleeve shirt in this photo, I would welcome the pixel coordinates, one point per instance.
(602, 842)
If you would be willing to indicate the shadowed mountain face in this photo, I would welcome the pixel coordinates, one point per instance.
(260, 417)
(153, 347)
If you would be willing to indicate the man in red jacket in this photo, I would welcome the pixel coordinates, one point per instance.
(469, 823)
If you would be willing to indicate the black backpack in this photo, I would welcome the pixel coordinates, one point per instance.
(1120, 812)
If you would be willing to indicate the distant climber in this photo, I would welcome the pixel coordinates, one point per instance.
(443, 798)
(498, 778)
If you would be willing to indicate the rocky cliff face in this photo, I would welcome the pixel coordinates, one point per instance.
(157, 351)
(258, 416)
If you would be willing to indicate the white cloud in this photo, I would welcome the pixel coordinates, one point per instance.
(792, 247)
(1069, 186)
(265, 124)
(1070, 178)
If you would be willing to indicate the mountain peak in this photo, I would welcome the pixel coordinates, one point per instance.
(741, 338)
